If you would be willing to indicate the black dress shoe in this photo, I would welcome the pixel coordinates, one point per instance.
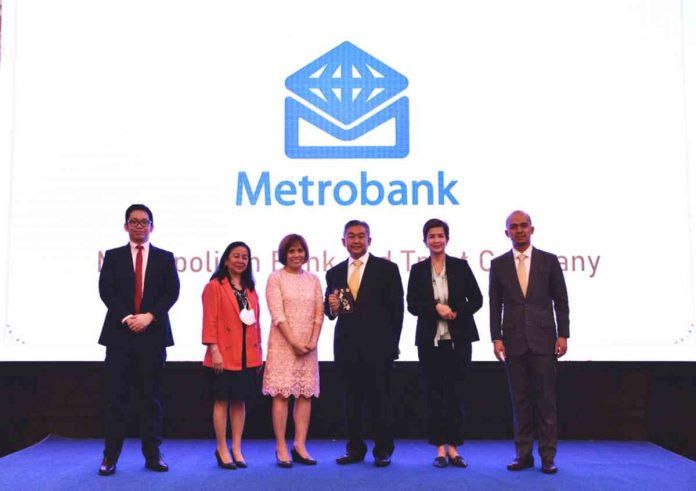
(548, 467)
(521, 463)
(107, 467)
(222, 464)
(296, 457)
(285, 464)
(457, 461)
(381, 461)
(239, 463)
(440, 462)
(350, 459)
(156, 464)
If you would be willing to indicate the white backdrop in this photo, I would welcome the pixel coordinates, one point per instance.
(577, 112)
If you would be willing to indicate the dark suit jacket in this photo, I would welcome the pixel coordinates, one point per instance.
(373, 330)
(117, 289)
(528, 324)
(464, 297)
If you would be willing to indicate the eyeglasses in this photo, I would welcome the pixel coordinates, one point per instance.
(141, 223)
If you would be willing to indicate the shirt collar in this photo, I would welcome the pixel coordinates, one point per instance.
(363, 259)
(146, 246)
(527, 252)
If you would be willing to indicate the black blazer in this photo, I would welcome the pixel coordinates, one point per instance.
(464, 297)
(528, 323)
(373, 330)
(117, 290)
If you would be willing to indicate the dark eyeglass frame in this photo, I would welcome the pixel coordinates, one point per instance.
(142, 223)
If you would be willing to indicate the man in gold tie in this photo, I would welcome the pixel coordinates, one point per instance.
(529, 330)
(366, 339)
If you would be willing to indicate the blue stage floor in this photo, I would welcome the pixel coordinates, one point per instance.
(68, 464)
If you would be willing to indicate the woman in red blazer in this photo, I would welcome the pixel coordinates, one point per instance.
(233, 356)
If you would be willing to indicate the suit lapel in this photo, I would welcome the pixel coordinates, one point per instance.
(342, 274)
(428, 276)
(366, 280)
(127, 259)
(535, 264)
(149, 268)
(511, 271)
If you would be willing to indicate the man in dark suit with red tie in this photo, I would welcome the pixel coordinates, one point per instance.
(529, 330)
(366, 339)
(139, 284)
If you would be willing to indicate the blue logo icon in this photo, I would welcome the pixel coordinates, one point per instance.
(347, 108)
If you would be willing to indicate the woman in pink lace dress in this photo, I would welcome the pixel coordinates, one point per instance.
(295, 302)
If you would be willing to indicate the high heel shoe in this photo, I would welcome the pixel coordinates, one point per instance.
(457, 461)
(285, 464)
(296, 457)
(224, 465)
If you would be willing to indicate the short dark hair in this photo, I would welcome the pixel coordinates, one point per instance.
(221, 273)
(140, 207)
(356, 223)
(434, 223)
(287, 242)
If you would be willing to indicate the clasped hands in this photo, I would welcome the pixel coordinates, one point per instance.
(139, 322)
(301, 349)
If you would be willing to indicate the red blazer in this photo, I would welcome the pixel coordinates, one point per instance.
(222, 326)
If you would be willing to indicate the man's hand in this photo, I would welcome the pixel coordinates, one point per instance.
(499, 350)
(139, 322)
(333, 302)
(561, 347)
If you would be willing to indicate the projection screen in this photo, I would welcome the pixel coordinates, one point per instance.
(252, 120)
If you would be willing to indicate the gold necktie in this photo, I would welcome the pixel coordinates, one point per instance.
(354, 280)
(522, 273)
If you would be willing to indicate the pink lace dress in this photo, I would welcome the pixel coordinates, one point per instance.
(297, 299)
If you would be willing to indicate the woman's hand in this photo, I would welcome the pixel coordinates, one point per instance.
(299, 349)
(445, 312)
(216, 358)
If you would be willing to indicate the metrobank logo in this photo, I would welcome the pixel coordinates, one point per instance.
(347, 108)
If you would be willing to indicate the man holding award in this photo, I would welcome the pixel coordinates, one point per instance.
(366, 294)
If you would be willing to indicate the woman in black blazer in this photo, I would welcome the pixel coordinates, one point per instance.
(444, 295)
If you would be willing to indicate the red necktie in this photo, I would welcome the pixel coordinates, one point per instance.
(138, 278)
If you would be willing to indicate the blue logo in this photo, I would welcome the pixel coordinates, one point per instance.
(347, 108)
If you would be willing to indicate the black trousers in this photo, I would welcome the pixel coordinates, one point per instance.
(444, 372)
(138, 369)
(532, 381)
(368, 383)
